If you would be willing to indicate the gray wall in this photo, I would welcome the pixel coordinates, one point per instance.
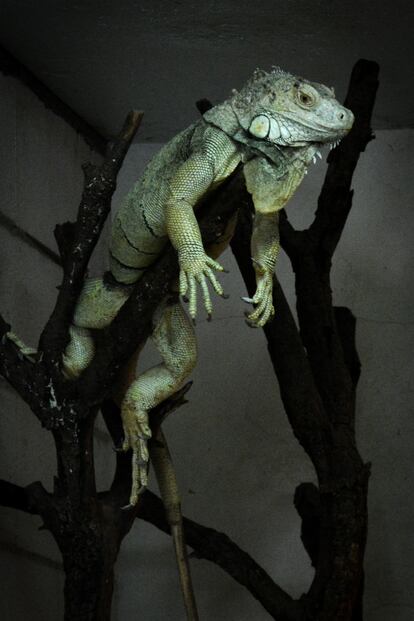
(236, 458)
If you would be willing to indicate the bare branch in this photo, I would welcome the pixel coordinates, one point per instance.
(31, 499)
(336, 196)
(14, 496)
(317, 371)
(300, 397)
(79, 240)
(19, 372)
(218, 548)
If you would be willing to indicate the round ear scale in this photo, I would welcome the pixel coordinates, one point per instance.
(260, 126)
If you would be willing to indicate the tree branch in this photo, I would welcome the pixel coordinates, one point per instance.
(32, 499)
(18, 370)
(301, 400)
(317, 372)
(217, 547)
(15, 497)
(77, 241)
(336, 197)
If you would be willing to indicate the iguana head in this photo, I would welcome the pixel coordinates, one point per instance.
(276, 110)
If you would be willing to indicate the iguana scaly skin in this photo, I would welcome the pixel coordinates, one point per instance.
(274, 127)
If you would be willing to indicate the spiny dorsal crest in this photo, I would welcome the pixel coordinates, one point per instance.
(261, 84)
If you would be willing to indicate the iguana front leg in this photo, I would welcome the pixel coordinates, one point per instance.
(270, 190)
(265, 248)
(192, 180)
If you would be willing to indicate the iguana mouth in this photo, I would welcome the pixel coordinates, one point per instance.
(315, 126)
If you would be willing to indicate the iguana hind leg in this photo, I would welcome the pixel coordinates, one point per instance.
(174, 337)
(97, 306)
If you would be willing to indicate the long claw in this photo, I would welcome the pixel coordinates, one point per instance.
(251, 325)
(246, 299)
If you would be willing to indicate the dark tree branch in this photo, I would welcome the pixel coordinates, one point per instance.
(33, 499)
(217, 547)
(346, 327)
(15, 497)
(336, 197)
(314, 300)
(308, 504)
(87, 529)
(77, 241)
(318, 371)
(302, 401)
(18, 370)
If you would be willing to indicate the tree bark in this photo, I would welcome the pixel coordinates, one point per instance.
(318, 368)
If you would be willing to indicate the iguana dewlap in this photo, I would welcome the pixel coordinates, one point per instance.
(273, 127)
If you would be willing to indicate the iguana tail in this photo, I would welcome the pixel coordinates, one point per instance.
(167, 482)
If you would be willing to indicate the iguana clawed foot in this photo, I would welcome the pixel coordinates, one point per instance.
(262, 299)
(136, 435)
(198, 271)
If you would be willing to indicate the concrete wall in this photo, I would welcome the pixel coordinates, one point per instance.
(40, 185)
(236, 458)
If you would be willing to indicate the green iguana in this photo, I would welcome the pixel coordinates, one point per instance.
(274, 127)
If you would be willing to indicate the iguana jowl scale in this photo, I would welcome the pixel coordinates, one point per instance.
(274, 127)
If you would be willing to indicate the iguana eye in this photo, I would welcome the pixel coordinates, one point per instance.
(260, 126)
(306, 98)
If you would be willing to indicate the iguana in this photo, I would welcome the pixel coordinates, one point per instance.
(273, 127)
